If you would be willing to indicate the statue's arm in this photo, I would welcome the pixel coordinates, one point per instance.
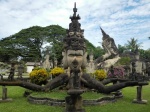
(56, 82)
(95, 84)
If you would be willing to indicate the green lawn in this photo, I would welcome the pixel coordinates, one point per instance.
(20, 103)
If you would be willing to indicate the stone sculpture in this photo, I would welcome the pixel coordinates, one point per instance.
(74, 61)
(12, 72)
(138, 67)
(110, 51)
(20, 71)
(90, 68)
(46, 63)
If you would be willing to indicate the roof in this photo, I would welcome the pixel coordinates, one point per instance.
(32, 63)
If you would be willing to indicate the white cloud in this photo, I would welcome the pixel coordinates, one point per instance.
(121, 19)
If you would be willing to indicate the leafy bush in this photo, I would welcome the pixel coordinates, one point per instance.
(100, 74)
(39, 76)
(57, 71)
(119, 72)
(124, 61)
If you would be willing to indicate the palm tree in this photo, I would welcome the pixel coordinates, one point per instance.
(133, 44)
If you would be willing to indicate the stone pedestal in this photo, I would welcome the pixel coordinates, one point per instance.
(74, 101)
(4, 95)
(139, 96)
(74, 104)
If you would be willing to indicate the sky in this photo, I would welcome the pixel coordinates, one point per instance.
(120, 19)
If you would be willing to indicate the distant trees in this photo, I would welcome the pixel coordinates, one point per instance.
(31, 44)
(133, 44)
(28, 43)
(121, 48)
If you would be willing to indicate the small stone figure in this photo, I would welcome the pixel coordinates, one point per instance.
(138, 67)
(12, 72)
(148, 68)
(20, 71)
(46, 63)
(133, 74)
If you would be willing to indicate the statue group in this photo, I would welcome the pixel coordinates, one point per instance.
(74, 62)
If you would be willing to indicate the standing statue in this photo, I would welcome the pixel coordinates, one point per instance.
(138, 67)
(20, 71)
(148, 68)
(12, 72)
(46, 63)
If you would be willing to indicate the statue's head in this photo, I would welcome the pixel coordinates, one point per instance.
(109, 43)
(74, 54)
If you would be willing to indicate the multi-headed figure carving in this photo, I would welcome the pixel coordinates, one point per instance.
(74, 54)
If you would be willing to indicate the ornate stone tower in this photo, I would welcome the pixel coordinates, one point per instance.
(74, 59)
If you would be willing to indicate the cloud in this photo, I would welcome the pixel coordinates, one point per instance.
(121, 19)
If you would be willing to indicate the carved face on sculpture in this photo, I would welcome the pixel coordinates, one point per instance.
(75, 59)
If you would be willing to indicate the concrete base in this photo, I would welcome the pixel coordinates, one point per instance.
(74, 104)
(140, 101)
(6, 100)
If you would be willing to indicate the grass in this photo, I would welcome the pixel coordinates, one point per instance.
(20, 103)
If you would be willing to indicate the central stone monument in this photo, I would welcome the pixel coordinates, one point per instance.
(73, 56)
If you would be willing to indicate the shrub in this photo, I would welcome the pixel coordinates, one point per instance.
(100, 74)
(119, 72)
(124, 61)
(39, 76)
(57, 71)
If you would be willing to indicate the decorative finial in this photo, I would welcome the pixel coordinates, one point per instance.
(103, 31)
(74, 10)
(104, 34)
(75, 17)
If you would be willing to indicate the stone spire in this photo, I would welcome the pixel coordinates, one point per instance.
(74, 39)
(104, 34)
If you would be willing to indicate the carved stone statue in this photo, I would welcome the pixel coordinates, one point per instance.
(148, 68)
(20, 71)
(12, 72)
(74, 61)
(90, 68)
(46, 63)
(138, 67)
(111, 52)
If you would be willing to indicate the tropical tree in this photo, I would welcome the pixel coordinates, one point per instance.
(145, 54)
(28, 43)
(133, 44)
(32, 43)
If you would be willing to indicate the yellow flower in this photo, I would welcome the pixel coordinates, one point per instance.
(56, 71)
(100, 74)
(39, 75)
